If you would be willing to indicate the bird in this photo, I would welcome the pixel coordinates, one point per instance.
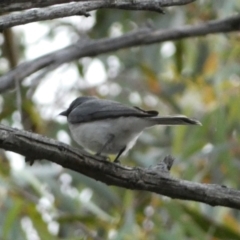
(110, 127)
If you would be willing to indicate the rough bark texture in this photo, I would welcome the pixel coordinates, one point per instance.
(155, 179)
(18, 5)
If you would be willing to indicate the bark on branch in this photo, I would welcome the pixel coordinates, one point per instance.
(95, 47)
(156, 5)
(155, 179)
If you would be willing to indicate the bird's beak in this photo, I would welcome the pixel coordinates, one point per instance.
(64, 113)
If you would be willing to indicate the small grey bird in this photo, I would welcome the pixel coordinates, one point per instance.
(109, 127)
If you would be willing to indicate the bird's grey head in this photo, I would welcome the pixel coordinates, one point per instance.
(78, 101)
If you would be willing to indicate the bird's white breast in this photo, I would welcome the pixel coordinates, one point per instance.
(94, 135)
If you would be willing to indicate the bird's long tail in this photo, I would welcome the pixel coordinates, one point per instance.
(175, 120)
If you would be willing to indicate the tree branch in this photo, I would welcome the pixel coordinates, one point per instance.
(95, 47)
(65, 10)
(155, 179)
(82, 8)
(19, 5)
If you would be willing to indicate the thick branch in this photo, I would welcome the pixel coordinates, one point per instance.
(18, 5)
(65, 10)
(82, 8)
(95, 47)
(34, 146)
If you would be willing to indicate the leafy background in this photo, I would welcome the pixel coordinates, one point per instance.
(197, 77)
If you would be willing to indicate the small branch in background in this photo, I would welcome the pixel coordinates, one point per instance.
(154, 179)
(11, 53)
(140, 37)
(18, 99)
(156, 5)
(10, 48)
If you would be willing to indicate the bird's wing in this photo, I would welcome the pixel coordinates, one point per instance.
(93, 110)
(150, 112)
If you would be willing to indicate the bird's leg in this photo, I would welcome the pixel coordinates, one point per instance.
(111, 137)
(119, 154)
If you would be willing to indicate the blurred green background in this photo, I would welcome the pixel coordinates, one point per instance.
(197, 77)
